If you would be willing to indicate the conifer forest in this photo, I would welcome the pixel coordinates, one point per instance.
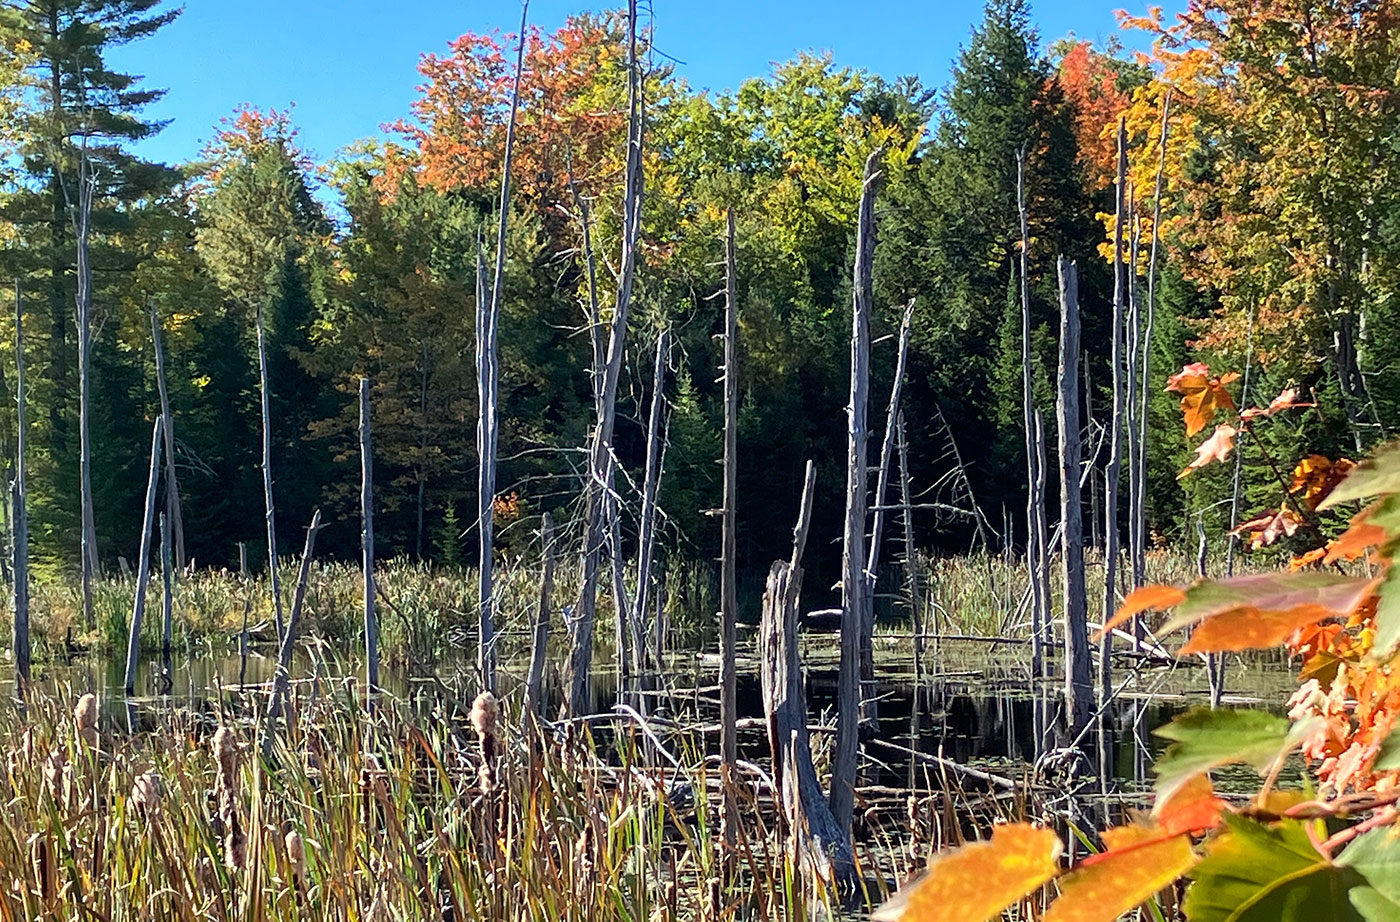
(948, 497)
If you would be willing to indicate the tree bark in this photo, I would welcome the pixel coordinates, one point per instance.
(600, 455)
(821, 841)
(855, 582)
(167, 606)
(143, 565)
(83, 222)
(1079, 684)
(646, 533)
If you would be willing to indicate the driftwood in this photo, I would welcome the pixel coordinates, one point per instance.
(19, 520)
(143, 565)
(822, 843)
(855, 582)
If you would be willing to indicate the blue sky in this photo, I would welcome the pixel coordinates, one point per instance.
(350, 65)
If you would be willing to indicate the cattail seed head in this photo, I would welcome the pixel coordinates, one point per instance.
(225, 748)
(147, 793)
(235, 843)
(486, 713)
(296, 856)
(85, 719)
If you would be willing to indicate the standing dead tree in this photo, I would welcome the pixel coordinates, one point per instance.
(488, 393)
(1115, 439)
(821, 841)
(269, 507)
(869, 707)
(729, 601)
(600, 454)
(1079, 684)
(651, 485)
(1037, 554)
(367, 544)
(281, 681)
(855, 581)
(81, 217)
(172, 485)
(19, 513)
(143, 564)
(539, 645)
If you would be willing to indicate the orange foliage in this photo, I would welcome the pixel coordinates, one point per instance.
(1203, 394)
(1089, 80)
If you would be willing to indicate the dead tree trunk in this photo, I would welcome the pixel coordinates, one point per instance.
(1145, 356)
(815, 834)
(282, 680)
(264, 387)
(870, 716)
(19, 527)
(1079, 684)
(646, 533)
(367, 544)
(911, 559)
(167, 606)
(855, 582)
(82, 228)
(539, 646)
(600, 455)
(729, 602)
(143, 564)
(172, 484)
(1115, 445)
(487, 387)
(1036, 556)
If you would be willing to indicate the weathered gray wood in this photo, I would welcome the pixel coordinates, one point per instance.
(167, 606)
(282, 679)
(855, 581)
(821, 842)
(651, 484)
(143, 565)
(1215, 663)
(82, 230)
(729, 601)
(19, 517)
(172, 483)
(247, 607)
(1115, 441)
(911, 559)
(869, 706)
(487, 390)
(600, 455)
(1079, 684)
(1035, 500)
(269, 506)
(367, 543)
(539, 646)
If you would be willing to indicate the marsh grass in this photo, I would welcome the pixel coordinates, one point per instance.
(398, 815)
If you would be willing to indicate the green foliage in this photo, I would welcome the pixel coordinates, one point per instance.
(1205, 739)
(1254, 873)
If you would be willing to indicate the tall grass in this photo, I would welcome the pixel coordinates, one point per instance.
(444, 814)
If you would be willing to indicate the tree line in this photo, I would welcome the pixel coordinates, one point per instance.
(1275, 243)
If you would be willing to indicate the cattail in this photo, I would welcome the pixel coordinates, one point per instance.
(205, 873)
(147, 792)
(235, 842)
(225, 748)
(85, 720)
(486, 712)
(296, 857)
(58, 776)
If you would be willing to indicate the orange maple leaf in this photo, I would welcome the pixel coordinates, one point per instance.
(1215, 448)
(1202, 394)
(1286, 400)
(1268, 527)
(1316, 476)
